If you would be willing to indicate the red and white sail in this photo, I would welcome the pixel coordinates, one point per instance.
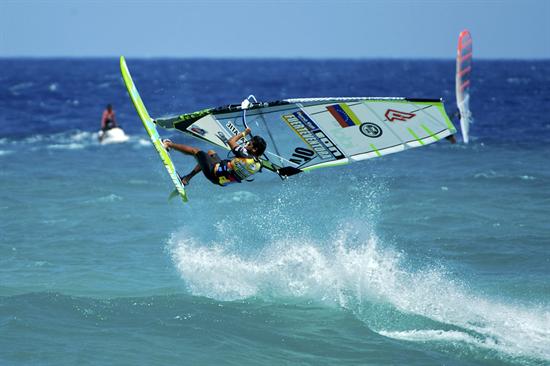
(463, 77)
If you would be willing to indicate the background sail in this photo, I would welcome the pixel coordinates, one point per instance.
(304, 134)
(463, 73)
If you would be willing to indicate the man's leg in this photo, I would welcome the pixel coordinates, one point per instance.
(188, 150)
(196, 170)
(187, 178)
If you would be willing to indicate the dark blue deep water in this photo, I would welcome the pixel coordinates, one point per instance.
(434, 256)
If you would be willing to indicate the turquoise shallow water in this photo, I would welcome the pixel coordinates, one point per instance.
(435, 256)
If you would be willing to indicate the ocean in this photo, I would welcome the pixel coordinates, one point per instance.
(435, 256)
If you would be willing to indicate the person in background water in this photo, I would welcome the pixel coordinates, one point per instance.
(223, 172)
(108, 120)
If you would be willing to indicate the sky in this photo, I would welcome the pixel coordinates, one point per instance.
(501, 29)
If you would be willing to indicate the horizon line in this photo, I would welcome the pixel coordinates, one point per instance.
(271, 58)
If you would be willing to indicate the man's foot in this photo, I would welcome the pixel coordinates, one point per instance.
(185, 179)
(166, 143)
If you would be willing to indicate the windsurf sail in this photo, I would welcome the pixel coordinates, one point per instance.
(463, 72)
(311, 133)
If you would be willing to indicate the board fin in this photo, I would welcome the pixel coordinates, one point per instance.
(174, 194)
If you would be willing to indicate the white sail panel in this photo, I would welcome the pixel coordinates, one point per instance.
(305, 134)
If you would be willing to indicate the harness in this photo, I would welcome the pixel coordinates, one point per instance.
(236, 170)
(245, 167)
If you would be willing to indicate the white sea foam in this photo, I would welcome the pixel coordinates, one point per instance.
(434, 335)
(239, 196)
(34, 139)
(364, 279)
(527, 177)
(82, 136)
(491, 174)
(15, 89)
(144, 142)
(518, 80)
(71, 146)
(73, 140)
(104, 199)
(110, 198)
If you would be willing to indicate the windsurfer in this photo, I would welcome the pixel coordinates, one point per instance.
(223, 172)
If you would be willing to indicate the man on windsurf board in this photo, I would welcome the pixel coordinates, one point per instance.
(223, 172)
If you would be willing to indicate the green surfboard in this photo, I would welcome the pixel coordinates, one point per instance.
(151, 129)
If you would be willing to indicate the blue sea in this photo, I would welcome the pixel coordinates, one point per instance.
(435, 256)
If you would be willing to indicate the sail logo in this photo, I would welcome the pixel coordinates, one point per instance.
(312, 135)
(343, 114)
(232, 128)
(392, 115)
(198, 130)
(371, 130)
(222, 137)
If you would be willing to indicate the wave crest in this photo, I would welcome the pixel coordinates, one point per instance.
(372, 282)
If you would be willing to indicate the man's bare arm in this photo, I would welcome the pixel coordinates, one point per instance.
(233, 140)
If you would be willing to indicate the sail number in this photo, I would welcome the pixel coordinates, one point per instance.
(302, 155)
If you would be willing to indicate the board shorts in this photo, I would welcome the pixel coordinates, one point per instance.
(207, 164)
